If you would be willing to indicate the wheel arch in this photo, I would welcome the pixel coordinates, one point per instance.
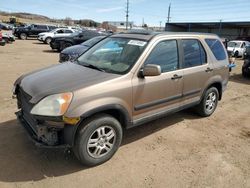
(217, 85)
(115, 110)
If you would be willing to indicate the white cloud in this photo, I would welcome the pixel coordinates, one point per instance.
(109, 9)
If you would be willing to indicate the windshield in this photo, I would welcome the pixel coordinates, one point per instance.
(93, 41)
(234, 44)
(113, 55)
(54, 30)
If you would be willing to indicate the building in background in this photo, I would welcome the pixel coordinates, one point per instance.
(229, 30)
(120, 25)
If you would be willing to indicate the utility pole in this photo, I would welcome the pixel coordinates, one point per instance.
(168, 18)
(127, 8)
(160, 25)
(220, 27)
(143, 22)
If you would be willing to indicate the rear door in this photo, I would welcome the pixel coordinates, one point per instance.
(196, 70)
(159, 94)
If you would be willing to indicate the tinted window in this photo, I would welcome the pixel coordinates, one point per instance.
(217, 48)
(41, 27)
(194, 53)
(68, 31)
(60, 31)
(164, 54)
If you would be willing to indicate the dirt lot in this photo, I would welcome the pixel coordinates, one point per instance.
(182, 150)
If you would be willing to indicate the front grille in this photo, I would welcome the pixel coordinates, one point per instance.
(64, 57)
(23, 103)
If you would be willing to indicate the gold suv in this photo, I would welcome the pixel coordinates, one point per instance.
(123, 81)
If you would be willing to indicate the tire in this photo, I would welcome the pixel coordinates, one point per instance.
(65, 45)
(236, 54)
(97, 140)
(208, 103)
(48, 40)
(23, 36)
(245, 74)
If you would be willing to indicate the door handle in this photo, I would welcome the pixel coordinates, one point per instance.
(209, 69)
(176, 76)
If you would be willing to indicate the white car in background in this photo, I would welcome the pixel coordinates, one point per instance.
(237, 47)
(46, 37)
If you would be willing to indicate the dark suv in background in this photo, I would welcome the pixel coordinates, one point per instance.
(60, 43)
(246, 65)
(31, 30)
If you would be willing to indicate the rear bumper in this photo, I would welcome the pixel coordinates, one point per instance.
(41, 134)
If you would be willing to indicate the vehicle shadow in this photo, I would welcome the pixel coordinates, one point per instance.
(238, 78)
(50, 51)
(21, 160)
(40, 43)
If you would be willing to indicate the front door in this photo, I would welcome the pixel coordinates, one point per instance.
(157, 94)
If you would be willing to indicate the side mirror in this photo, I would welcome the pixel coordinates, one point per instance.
(150, 70)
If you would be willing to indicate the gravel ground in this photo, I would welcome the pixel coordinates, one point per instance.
(181, 150)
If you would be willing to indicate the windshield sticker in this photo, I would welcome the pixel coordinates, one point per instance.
(137, 43)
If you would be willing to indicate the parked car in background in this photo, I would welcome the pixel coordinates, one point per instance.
(60, 43)
(31, 30)
(46, 37)
(8, 37)
(246, 64)
(2, 41)
(237, 47)
(73, 52)
(5, 26)
(123, 81)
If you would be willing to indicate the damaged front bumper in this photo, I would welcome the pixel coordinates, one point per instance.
(43, 134)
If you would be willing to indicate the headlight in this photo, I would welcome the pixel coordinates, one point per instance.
(53, 105)
(73, 57)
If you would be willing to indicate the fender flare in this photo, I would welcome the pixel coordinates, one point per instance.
(71, 130)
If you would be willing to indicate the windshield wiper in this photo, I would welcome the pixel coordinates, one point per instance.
(92, 67)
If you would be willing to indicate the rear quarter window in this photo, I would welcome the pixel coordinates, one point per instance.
(217, 48)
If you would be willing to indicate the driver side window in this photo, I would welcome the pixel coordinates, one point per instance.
(165, 54)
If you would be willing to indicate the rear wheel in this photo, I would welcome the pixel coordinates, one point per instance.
(236, 54)
(98, 139)
(209, 102)
(23, 36)
(48, 40)
(65, 45)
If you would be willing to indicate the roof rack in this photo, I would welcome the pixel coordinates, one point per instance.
(140, 31)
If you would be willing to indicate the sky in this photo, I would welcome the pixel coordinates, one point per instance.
(153, 12)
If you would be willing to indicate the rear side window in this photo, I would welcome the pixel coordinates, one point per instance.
(217, 48)
(42, 27)
(194, 53)
(68, 31)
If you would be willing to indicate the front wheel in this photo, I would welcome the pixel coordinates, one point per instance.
(23, 36)
(65, 45)
(48, 40)
(98, 139)
(209, 102)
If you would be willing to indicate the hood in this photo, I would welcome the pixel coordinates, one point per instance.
(60, 78)
(77, 49)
